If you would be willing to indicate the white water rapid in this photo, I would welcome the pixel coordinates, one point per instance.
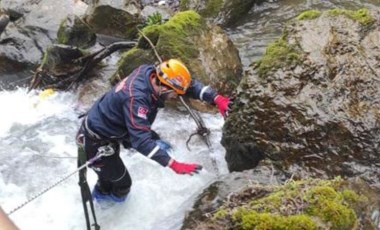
(37, 149)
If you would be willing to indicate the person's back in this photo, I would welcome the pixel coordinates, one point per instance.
(107, 116)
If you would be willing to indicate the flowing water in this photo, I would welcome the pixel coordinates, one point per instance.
(37, 146)
(37, 149)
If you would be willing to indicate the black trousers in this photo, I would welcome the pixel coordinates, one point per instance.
(113, 176)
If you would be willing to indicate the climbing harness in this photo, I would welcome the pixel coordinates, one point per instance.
(103, 151)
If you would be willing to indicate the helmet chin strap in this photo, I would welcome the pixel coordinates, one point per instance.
(160, 87)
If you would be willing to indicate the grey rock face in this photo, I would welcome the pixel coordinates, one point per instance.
(318, 115)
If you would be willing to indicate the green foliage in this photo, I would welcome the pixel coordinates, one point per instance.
(154, 19)
(277, 54)
(362, 15)
(309, 15)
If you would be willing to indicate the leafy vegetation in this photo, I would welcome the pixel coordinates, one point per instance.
(154, 19)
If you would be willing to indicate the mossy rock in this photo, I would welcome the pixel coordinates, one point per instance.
(278, 54)
(59, 60)
(305, 204)
(205, 49)
(174, 39)
(74, 31)
(363, 15)
(130, 60)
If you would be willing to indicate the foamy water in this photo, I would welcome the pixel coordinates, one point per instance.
(37, 149)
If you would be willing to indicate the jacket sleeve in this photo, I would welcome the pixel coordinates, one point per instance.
(204, 93)
(136, 112)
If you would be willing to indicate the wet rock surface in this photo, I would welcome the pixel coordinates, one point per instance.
(316, 112)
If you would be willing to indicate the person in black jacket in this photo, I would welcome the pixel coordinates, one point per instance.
(125, 114)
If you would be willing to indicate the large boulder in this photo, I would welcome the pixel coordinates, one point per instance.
(312, 102)
(206, 50)
(115, 18)
(304, 204)
(32, 28)
(74, 31)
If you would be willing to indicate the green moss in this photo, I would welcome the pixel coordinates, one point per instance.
(337, 214)
(248, 219)
(61, 35)
(277, 54)
(221, 213)
(306, 204)
(362, 15)
(309, 15)
(352, 198)
(317, 193)
(271, 203)
(184, 21)
(329, 205)
(175, 37)
(130, 60)
(45, 57)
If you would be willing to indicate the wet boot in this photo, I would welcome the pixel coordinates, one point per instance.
(102, 193)
(120, 194)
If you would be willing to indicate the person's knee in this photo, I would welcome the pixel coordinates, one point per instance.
(122, 186)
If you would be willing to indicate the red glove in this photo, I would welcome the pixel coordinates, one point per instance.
(223, 104)
(183, 168)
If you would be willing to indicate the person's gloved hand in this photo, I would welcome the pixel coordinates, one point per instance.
(184, 168)
(164, 145)
(224, 104)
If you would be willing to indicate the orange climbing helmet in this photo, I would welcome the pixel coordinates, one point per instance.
(174, 74)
